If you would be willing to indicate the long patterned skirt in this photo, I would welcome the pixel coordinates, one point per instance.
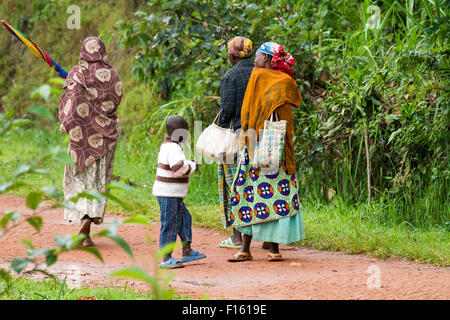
(226, 173)
(93, 178)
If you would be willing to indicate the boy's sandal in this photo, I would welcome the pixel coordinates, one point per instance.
(172, 263)
(195, 255)
(228, 243)
(241, 256)
(275, 257)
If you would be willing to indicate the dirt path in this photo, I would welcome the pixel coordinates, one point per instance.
(305, 273)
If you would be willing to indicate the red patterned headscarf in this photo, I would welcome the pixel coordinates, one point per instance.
(281, 61)
(88, 105)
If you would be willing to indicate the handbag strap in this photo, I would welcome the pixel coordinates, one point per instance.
(218, 114)
(271, 119)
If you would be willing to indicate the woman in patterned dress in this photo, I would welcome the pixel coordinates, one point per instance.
(88, 114)
(267, 207)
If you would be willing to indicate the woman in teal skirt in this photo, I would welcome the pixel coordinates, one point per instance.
(267, 207)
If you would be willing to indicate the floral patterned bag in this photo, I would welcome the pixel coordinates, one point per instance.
(258, 198)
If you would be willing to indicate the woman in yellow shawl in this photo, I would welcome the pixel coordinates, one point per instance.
(267, 207)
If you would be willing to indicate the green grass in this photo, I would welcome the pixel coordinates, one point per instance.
(352, 229)
(26, 289)
(26, 146)
(23, 288)
(340, 227)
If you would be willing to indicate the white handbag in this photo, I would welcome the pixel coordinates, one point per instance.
(218, 143)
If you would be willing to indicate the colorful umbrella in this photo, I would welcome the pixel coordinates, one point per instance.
(34, 48)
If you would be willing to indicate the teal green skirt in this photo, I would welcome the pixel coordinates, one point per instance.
(284, 231)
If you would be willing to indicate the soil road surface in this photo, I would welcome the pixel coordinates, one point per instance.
(304, 274)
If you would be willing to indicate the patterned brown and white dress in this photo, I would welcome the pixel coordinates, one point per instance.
(88, 113)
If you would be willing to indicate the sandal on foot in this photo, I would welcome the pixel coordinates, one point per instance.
(195, 255)
(172, 263)
(228, 243)
(241, 256)
(275, 257)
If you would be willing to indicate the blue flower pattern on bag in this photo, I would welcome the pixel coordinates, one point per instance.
(281, 207)
(236, 199)
(245, 214)
(295, 202)
(283, 187)
(254, 174)
(241, 178)
(248, 194)
(265, 190)
(261, 210)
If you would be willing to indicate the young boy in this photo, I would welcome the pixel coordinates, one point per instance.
(170, 187)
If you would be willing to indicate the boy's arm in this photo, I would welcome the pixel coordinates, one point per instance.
(179, 165)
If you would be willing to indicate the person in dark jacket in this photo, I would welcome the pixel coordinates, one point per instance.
(232, 92)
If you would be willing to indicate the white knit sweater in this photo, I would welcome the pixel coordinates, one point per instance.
(172, 173)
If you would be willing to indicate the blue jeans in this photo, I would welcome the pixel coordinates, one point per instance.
(175, 220)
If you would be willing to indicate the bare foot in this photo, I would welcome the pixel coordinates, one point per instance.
(86, 230)
(87, 242)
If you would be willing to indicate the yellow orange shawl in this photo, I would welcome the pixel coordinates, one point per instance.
(267, 91)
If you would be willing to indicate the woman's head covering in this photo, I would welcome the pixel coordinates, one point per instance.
(240, 47)
(88, 105)
(93, 49)
(281, 61)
